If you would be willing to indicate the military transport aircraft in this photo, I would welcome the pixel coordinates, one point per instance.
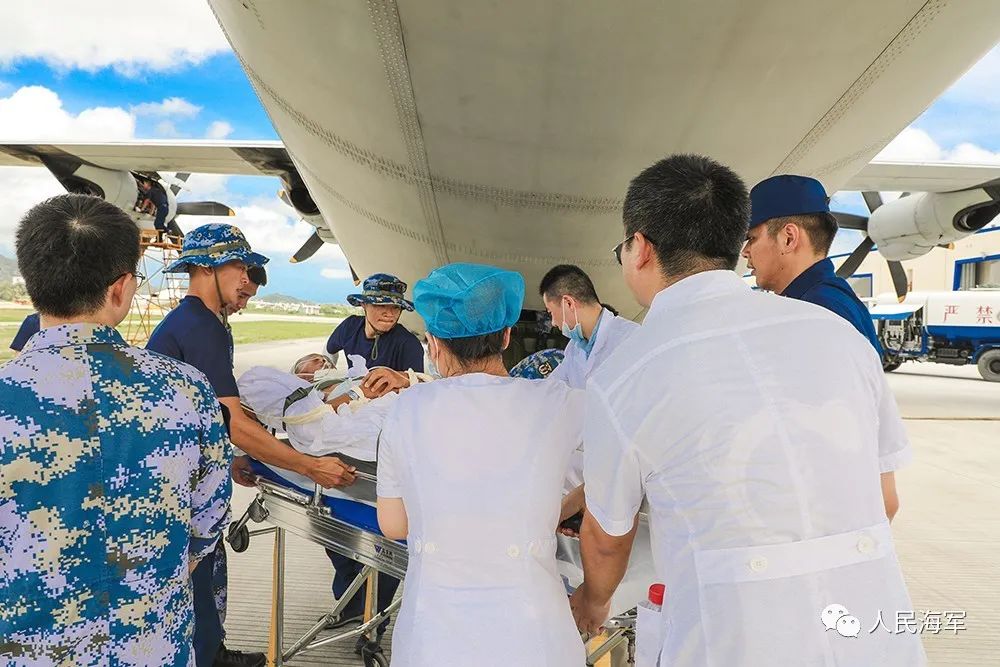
(420, 132)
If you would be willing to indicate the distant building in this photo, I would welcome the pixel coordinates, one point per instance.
(17, 280)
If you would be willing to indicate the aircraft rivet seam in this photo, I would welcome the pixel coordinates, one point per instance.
(903, 40)
(388, 33)
(451, 247)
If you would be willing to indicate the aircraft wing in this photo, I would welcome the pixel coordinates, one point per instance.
(880, 176)
(263, 158)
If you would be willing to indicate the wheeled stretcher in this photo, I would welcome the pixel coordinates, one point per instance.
(349, 526)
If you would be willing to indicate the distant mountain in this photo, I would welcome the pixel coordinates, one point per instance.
(8, 269)
(283, 298)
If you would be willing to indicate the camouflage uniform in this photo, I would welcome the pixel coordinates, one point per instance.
(539, 365)
(113, 478)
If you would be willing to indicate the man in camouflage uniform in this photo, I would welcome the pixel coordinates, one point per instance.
(113, 460)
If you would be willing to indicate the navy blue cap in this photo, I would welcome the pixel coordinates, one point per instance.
(782, 196)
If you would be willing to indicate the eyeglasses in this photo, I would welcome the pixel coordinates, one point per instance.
(140, 278)
(617, 250)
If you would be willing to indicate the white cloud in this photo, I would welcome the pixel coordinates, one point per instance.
(269, 225)
(170, 106)
(166, 128)
(219, 129)
(23, 187)
(34, 113)
(131, 37)
(336, 274)
(916, 145)
(204, 186)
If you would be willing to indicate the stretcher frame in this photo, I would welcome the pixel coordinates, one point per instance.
(288, 510)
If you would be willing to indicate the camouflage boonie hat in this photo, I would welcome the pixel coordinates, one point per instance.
(539, 365)
(215, 244)
(382, 289)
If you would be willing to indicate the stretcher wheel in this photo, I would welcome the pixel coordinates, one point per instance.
(239, 537)
(373, 657)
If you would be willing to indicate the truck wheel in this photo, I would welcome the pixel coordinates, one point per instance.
(890, 366)
(989, 365)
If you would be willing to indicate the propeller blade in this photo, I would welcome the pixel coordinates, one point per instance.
(852, 263)
(872, 200)
(899, 281)
(851, 221)
(181, 176)
(203, 208)
(308, 249)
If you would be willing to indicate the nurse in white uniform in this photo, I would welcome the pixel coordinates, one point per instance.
(470, 472)
(757, 428)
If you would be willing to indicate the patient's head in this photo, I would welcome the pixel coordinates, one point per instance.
(306, 367)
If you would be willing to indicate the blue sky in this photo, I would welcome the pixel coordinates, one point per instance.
(182, 81)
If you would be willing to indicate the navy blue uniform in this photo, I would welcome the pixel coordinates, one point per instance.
(820, 284)
(29, 327)
(159, 199)
(195, 335)
(399, 349)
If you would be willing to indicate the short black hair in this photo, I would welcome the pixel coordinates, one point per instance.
(819, 227)
(693, 210)
(568, 280)
(70, 249)
(257, 275)
(473, 349)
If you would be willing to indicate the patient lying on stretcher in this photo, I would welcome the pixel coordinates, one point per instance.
(319, 412)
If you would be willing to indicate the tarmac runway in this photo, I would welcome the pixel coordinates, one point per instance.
(946, 533)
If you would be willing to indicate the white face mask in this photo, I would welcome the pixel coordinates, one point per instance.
(432, 368)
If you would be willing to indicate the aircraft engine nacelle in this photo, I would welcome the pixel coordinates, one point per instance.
(911, 226)
(299, 198)
(116, 187)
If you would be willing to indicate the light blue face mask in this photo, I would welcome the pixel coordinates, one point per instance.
(573, 333)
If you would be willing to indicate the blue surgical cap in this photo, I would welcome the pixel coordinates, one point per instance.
(782, 196)
(462, 300)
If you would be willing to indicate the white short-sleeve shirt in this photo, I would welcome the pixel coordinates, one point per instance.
(757, 427)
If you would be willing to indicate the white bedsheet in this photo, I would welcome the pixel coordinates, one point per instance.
(352, 432)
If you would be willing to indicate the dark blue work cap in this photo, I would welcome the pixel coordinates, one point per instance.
(782, 196)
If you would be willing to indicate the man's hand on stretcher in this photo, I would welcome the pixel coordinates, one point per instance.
(242, 472)
(250, 436)
(329, 471)
(381, 381)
